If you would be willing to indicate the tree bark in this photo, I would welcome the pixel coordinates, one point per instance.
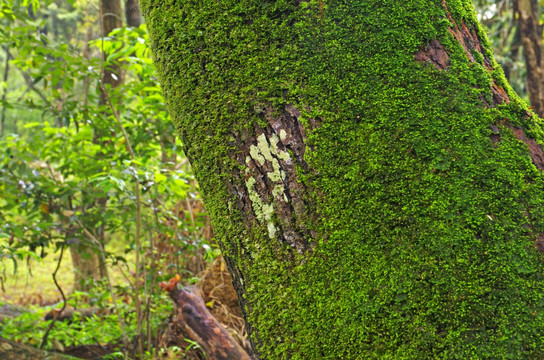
(132, 13)
(531, 37)
(375, 184)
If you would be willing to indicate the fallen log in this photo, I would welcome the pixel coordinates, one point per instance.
(68, 314)
(10, 311)
(194, 320)
(10, 350)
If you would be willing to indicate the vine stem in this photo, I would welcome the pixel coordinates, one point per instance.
(64, 302)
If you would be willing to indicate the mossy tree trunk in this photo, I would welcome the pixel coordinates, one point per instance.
(374, 182)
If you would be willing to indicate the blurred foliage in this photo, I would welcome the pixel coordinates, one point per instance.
(102, 327)
(60, 152)
(499, 19)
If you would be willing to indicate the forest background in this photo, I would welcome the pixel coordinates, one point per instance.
(97, 198)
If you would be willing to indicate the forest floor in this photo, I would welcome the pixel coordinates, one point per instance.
(31, 282)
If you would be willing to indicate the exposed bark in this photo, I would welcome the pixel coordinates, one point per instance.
(271, 157)
(132, 13)
(194, 321)
(434, 53)
(531, 38)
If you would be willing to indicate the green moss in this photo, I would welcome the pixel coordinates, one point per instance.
(426, 229)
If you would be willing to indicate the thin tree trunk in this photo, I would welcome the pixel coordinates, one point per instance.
(531, 38)
(374, 182)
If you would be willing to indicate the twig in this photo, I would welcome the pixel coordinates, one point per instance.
(64, 302)
(126, 277)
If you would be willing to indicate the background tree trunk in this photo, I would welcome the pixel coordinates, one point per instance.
(531, 37)
(112, 18)
(373, 181)
(88, 263)
(132, 13)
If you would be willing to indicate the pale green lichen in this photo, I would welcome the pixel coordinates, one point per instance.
(256, 203)
(255, 154)
(265, 151)
(279, 192)
(283, 135)
(262, 152)
(262, 211)
(282, 155)
(275, 175)
(271, 230)
(264, 148)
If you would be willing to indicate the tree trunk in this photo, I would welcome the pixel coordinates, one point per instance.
(86, 263)
(374, 182)
(132, 13)
(112, 18)
(531, 37)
